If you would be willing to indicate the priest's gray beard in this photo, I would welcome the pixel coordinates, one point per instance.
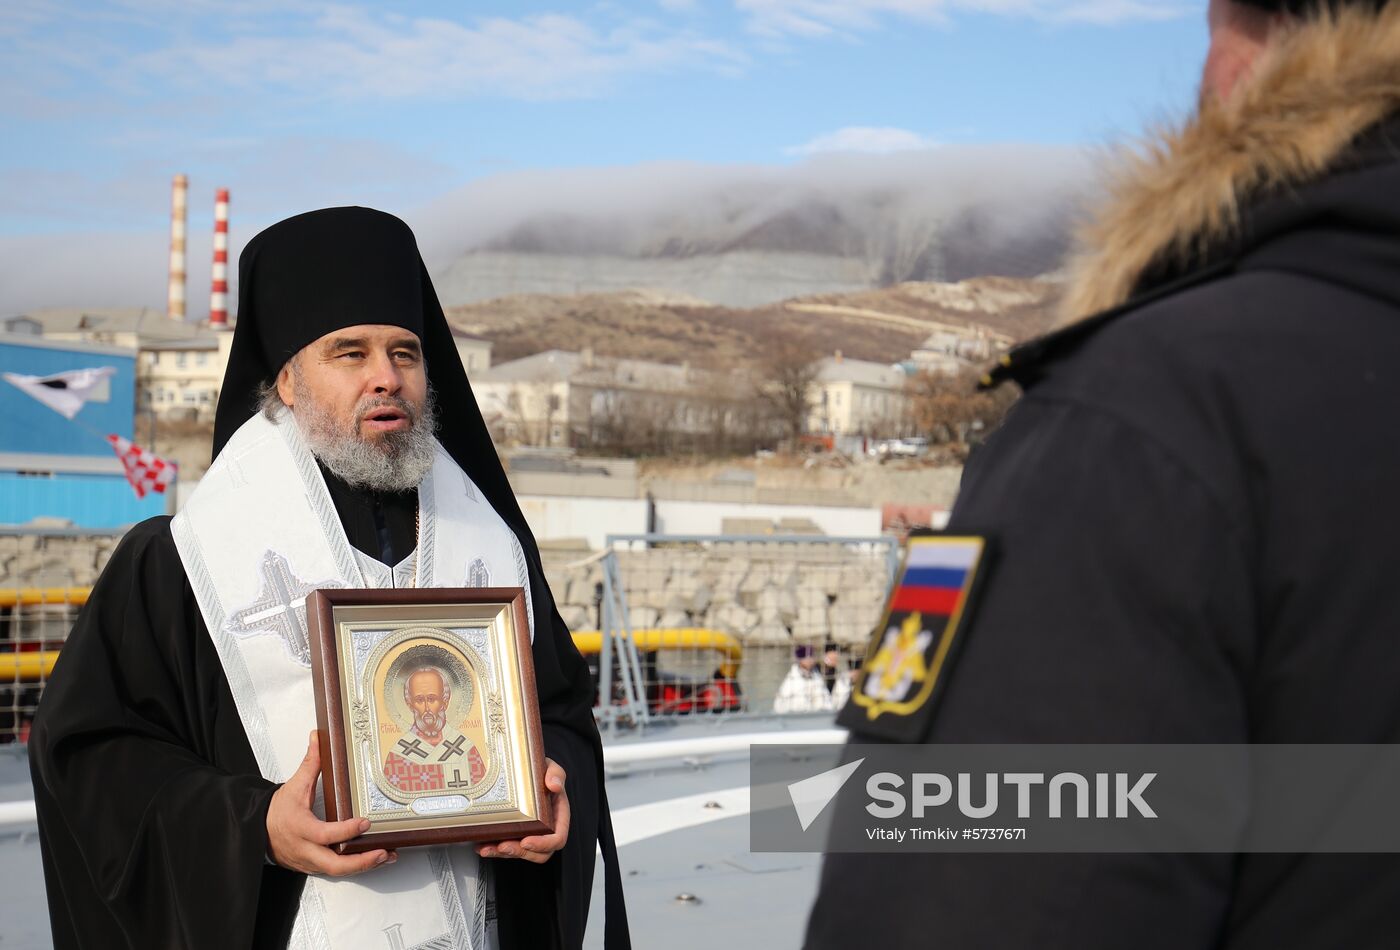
(394, 461)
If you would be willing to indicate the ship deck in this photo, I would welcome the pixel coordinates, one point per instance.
(682, 825)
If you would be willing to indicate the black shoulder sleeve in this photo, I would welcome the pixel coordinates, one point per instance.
(151, 818)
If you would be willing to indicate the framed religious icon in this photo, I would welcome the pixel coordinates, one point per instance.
(429, 721)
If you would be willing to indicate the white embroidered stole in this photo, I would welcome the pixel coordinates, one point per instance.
(260, 533)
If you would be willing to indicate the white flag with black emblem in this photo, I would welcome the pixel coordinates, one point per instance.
(66, 392)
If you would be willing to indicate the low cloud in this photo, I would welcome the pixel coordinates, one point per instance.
(87, 269)
(106, 239)
(1013, 202)
(266, 176)
(977, 209)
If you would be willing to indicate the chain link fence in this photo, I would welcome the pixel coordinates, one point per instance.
(45, 576)
(724, 625)
(670, 626)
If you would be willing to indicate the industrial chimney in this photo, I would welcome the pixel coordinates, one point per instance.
(175, 301)
(218, 293)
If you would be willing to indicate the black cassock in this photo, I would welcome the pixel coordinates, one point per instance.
(152, 809)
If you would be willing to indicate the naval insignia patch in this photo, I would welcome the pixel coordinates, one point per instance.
(914, 644)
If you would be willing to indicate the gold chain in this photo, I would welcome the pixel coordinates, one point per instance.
(417, 548)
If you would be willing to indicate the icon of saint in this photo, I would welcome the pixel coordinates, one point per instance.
(431, 755)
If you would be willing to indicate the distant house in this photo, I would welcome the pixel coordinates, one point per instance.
(951, 349)
(25, 326)
(858, 398)
(560, 398)
(181, 378)
(475, 352)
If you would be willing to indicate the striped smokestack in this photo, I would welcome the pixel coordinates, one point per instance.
(218, 293)
(175, 301)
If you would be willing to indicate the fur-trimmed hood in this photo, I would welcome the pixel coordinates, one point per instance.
(1183, 192)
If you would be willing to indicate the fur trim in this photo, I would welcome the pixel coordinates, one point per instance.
(1319, 87)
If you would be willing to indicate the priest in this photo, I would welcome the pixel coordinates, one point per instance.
(174, 780)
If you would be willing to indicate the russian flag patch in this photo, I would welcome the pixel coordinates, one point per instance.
(918, 635)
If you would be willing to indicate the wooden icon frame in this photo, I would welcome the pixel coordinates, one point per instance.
(388, 665)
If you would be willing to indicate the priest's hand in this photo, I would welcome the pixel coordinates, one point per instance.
(538, 849)
(298, 840)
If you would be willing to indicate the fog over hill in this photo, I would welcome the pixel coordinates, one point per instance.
(748, 235)
(736, 235)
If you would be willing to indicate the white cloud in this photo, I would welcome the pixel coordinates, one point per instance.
(309, 50)
(875, 140)
(317, 51)
(825, 17)
(353, 52)
(1114, 11)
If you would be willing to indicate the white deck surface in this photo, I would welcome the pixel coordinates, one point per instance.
(743, 901)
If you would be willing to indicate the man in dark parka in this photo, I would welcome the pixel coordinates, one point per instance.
(1195, 508)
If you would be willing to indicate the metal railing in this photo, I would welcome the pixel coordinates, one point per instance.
(712, 625)
(670, 625)
(45, 577)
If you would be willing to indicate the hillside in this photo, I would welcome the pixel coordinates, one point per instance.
(748, 236)
(881, 325)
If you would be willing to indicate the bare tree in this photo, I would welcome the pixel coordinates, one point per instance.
(712, 414)
(788, 375)
(529, 412)
(950, 409)
(630, 420)
(731, 416)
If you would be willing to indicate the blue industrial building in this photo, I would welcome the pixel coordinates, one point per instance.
(54, 468)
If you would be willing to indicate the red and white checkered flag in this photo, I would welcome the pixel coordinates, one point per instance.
(145, 470)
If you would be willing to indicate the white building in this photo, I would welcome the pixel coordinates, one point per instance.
(951, 349)
(559, 398)
(475, 352)
(131, 328)
(181, 378)
(858, 397)
(179, 367)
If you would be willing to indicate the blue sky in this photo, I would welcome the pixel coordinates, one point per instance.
(296, 104)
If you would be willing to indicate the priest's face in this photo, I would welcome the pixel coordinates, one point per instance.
(427, 696)
(360, 398)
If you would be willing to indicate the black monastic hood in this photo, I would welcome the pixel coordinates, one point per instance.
(325, 270)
